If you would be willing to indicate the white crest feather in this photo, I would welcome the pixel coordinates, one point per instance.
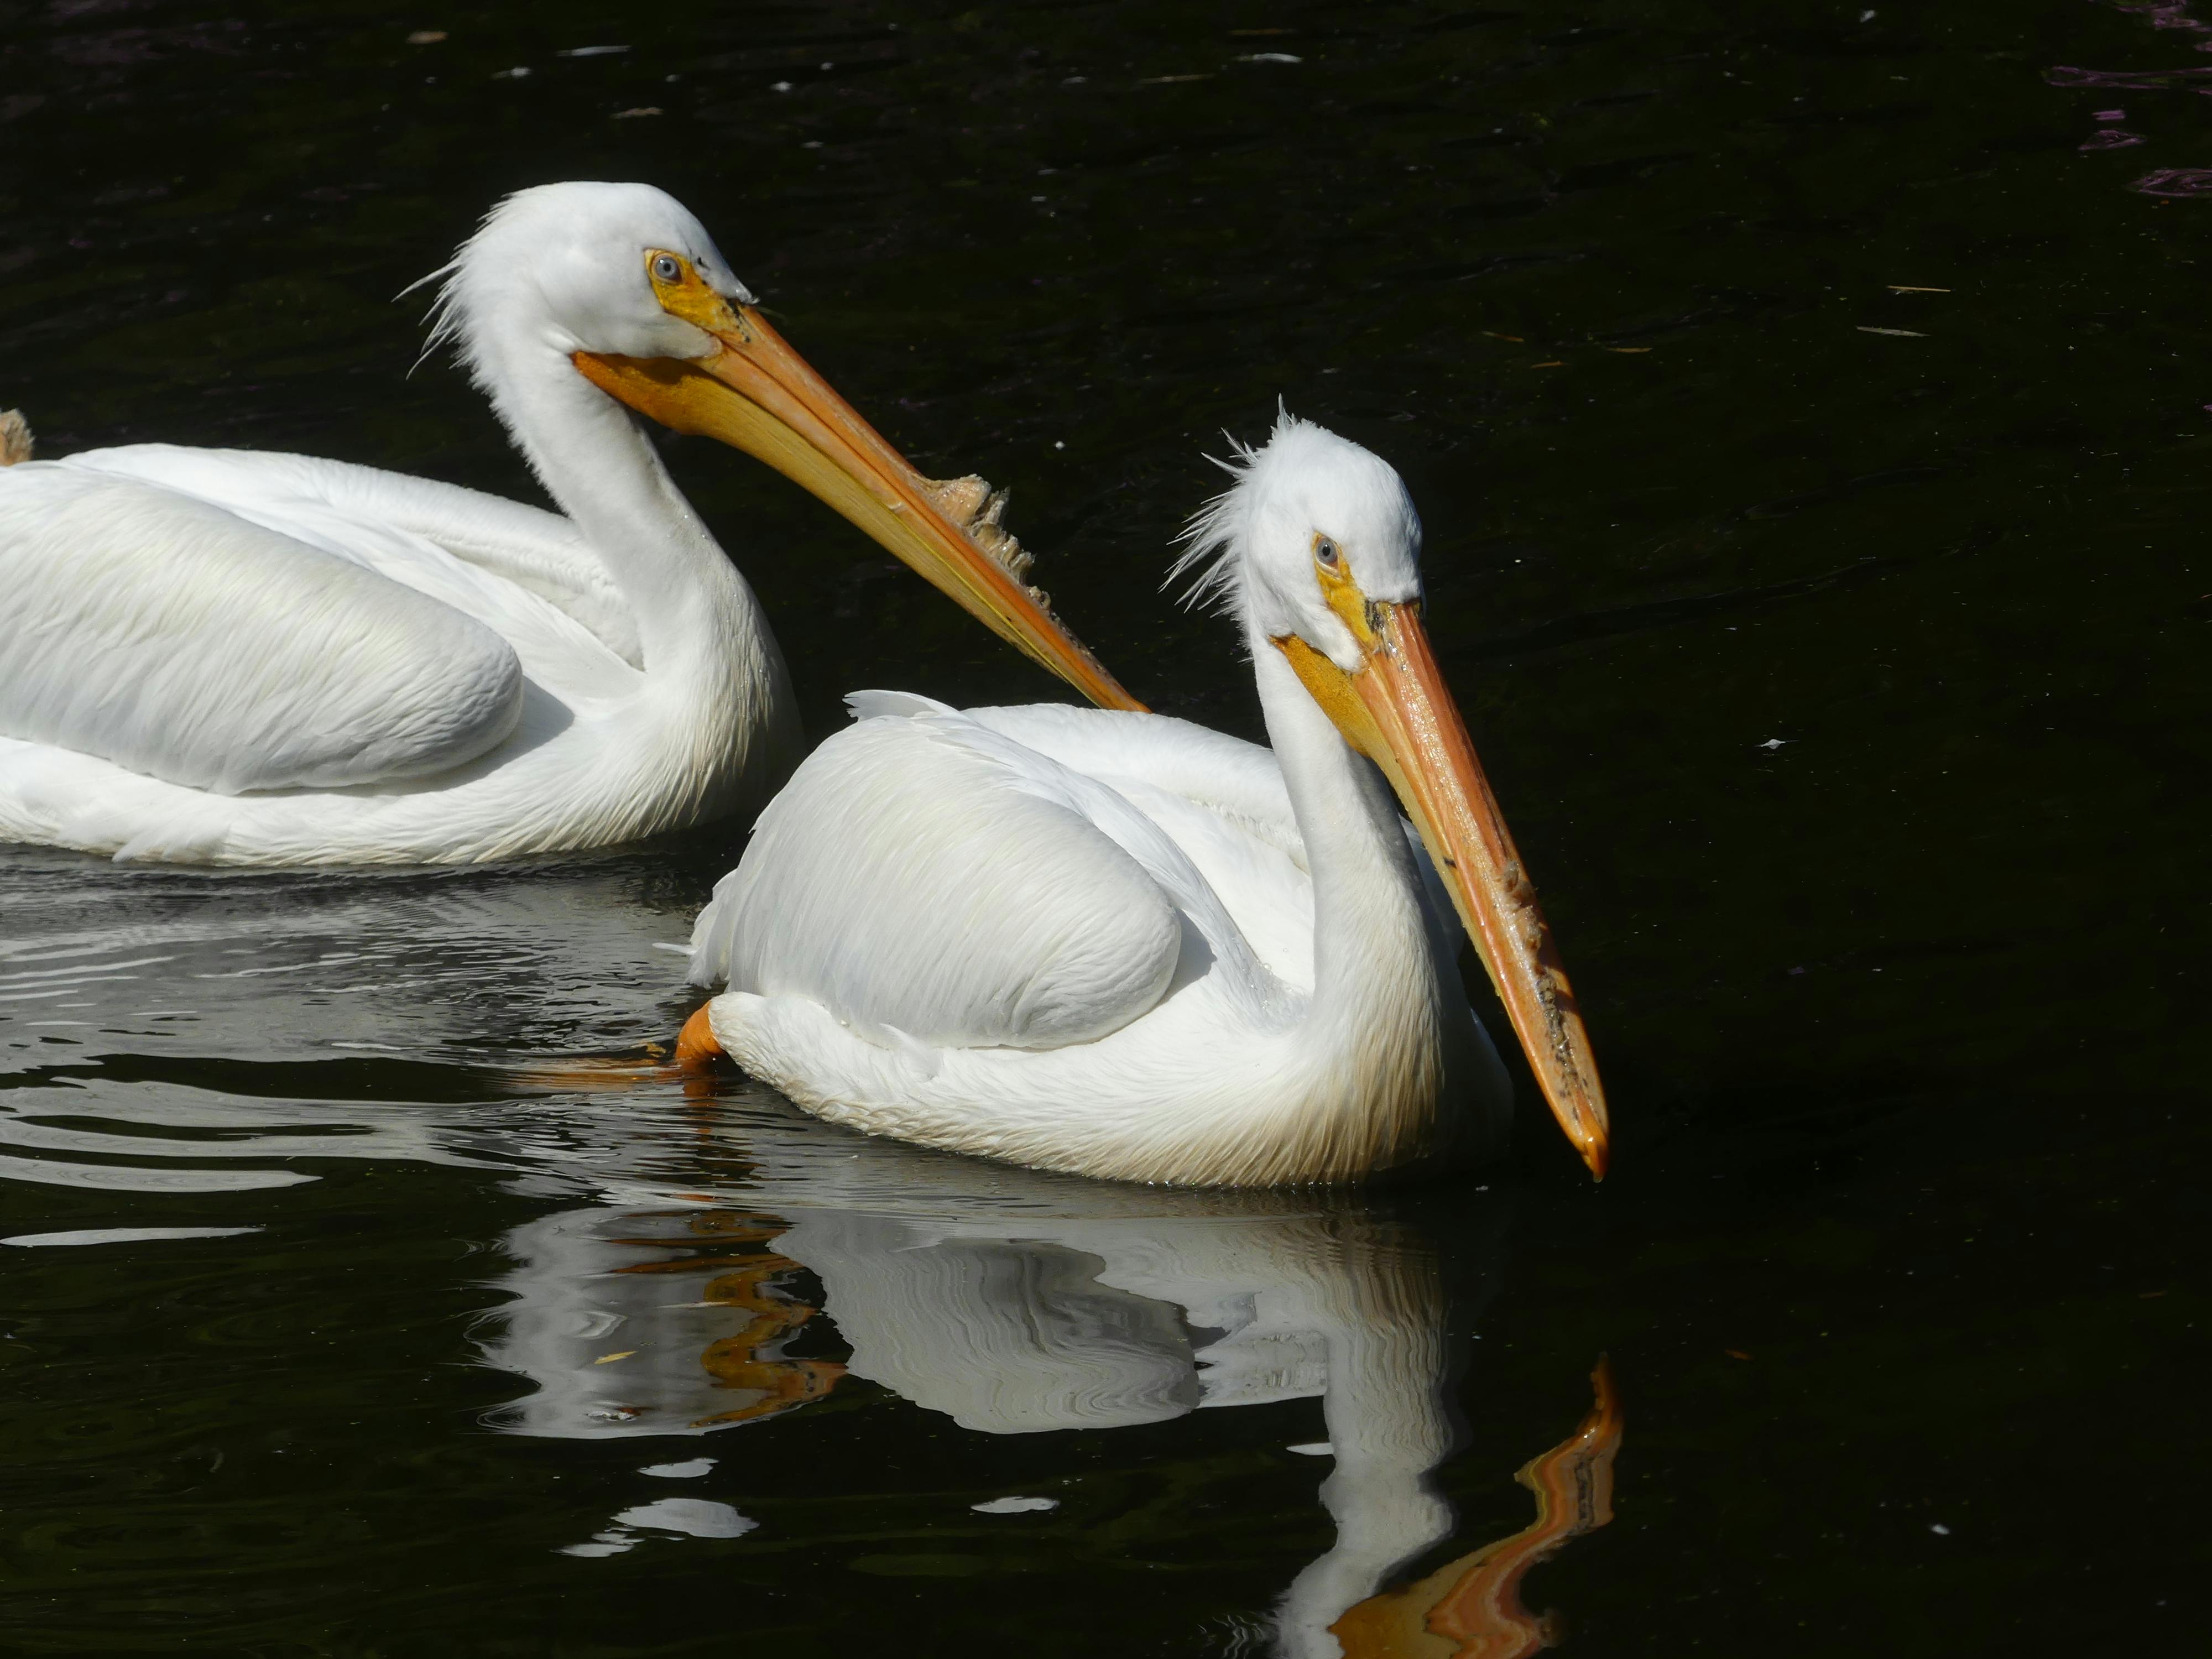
(440, 317)
(1214, 538)
(448, 306)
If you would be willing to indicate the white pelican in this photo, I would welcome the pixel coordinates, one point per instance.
(227, 657)
(1119, 945)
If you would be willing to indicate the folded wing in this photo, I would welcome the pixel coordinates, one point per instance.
(917, 878)
(172, 637)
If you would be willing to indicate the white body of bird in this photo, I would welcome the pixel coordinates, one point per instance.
(1118, 945)
(227, 657)
(224, 657)
(1091, 942)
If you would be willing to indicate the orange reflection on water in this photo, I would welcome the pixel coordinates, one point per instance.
(764, 1384)
(1471, 1608)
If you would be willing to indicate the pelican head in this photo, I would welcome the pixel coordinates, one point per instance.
(621, 284)
(1316, 549)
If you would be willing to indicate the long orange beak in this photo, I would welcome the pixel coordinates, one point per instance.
(755, 393)
(1396, 711)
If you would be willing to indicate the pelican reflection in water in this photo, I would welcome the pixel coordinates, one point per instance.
(1017, 1303)
(677, 1228)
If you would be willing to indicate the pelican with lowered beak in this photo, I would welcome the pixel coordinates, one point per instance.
(1119, 945)
(233, 657)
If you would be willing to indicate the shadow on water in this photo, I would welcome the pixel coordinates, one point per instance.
(1807, 408)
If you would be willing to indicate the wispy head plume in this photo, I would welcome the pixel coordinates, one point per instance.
(440, 315)
(1214, 538)
(447, 305)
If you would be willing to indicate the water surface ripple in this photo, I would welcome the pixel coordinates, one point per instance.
(1807, 406)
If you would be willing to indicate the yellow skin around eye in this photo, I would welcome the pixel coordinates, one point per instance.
(1352, 608)
(688, 297)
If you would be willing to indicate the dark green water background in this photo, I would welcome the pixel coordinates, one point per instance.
(1846, 689)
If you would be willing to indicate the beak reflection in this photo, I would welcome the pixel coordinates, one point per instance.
(1050, 1307)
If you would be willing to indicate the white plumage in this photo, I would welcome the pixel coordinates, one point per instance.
(1040, 957)
(400, 685)
(238, 658)
(1119, 945)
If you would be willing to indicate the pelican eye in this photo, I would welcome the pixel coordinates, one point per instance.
(665, 267)
(1325, 550)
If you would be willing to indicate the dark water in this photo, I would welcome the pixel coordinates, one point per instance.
(1839, 653)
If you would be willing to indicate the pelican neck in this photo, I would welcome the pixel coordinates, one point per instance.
(1370, 940)
(693, 608)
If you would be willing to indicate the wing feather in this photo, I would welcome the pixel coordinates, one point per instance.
(1238, 780)
(913, 882)
(170, 635)
(1238, 783)
(355, 510)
